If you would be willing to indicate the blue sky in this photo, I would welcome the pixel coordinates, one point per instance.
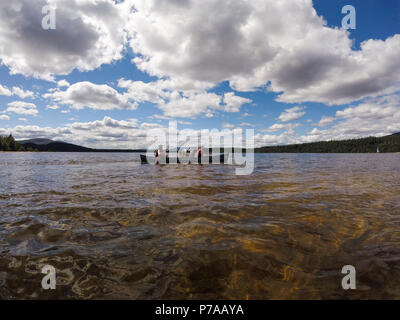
(229, 68)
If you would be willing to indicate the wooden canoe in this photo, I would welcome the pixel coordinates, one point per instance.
(212, 159)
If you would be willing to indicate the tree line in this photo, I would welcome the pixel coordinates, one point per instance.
(8, 143)
(364, 145)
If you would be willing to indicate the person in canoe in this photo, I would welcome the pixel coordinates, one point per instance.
(199, 151)
(158, 153)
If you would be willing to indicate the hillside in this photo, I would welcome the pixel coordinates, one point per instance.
(364, 145)
(54, 146)
(36, 141)
(46, 145)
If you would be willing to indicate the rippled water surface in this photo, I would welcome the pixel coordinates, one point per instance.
(116, 229)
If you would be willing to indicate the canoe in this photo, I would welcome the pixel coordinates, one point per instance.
(213, 159)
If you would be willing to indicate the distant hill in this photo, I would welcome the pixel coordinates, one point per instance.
(42, 145)
(389, 143)
(47, 145)
(36, 141)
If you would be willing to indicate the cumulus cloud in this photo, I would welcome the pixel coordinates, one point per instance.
(88, 34)
(291, 114)
(17, 91)
(53, 107)
(374, 117)
(325, 121)
(109, 133)
(21, 107)
(246, 124)
(228, 126)
(251, 45)
(86, 94)
(233, 103)
(140, 91)
(190, 105)
(194, 39)
(63, 83)
(180, 99)
(21, 93)
(351, 122)
(4, 117)
(4, 91)
(281, 126)
(104, 133)
(377, 117)
(285, 138)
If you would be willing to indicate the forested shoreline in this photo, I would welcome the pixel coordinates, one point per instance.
(8, 143)
(364, 145)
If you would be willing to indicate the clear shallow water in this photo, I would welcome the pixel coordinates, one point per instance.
(116, 229)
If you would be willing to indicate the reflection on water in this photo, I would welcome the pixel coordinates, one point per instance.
(116, 229)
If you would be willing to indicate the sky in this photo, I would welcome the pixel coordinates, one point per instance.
(113, 71)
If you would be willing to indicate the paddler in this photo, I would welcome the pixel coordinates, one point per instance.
(199, 151)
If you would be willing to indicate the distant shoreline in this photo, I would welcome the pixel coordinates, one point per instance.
(386, 144)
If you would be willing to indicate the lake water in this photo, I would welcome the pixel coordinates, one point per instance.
(114, 228)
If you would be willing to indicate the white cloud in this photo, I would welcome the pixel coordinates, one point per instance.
(180, 99)
(95, 96)
(209, 114)
(4, 117)
(228, 126)
(377, 117)
(276, 127)
(374, 117)
(21, 107)
(325, 121)
(286, 137)
(246, 124)
(21, 93)
(281, 126)
(291, 114)
(250, 44)
(352, 122)
(4, 91)
(88, 34)
(187, 123)
(105, 133)
(190, 105)
(53, 107)
(146, 125)
(141, 91)
(63, 83)
(233, 103)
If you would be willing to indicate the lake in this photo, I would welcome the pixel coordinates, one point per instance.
(116, 229)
